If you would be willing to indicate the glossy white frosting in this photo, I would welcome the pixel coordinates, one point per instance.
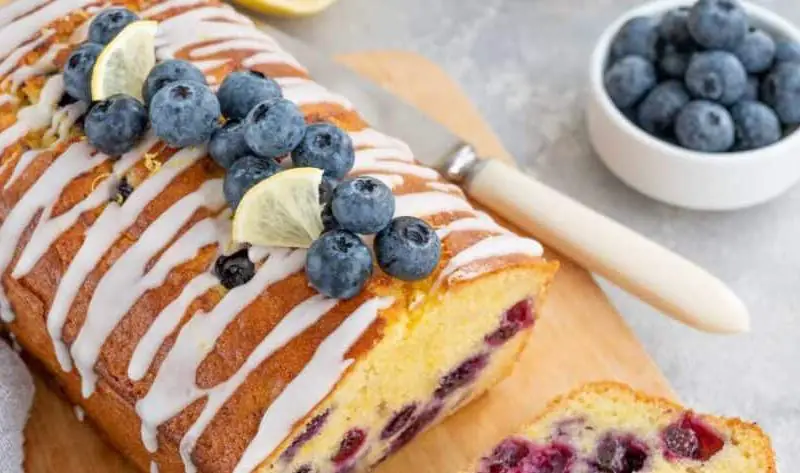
(206, 35)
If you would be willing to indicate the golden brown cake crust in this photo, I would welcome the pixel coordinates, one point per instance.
(31, 296)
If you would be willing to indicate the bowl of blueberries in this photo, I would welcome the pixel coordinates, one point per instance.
(697, 103)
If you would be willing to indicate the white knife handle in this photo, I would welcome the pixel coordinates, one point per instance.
(665, 280)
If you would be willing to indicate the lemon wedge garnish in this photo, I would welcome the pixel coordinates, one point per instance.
(123, 65)
(282, 210)
(287, 7)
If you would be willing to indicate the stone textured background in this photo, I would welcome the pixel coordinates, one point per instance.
(524, 63)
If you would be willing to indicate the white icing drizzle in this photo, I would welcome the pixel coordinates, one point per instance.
(14, 343)
(41, 196)
(6, 314)
(165, 323)
(49, 229)
(13, 59)
(202, 24)
(492, 247)
(22, 163)
(305, 92)
(64, 119)
(164, 7)
(153, 467)
(236, 44)
(370, 138)
(444, 187)
(106, 230)
(422, 204)
(21, 29)
(396, 167)
(257, 253)
(43, 65)
(13, 10)
(303, 316)
(374, 154)
(391, 180)
(80, 414)
(5, 98)
(480, 223)
(174, 386)
(311, 385)
(204, 31)
(108, 305)
(36, 116)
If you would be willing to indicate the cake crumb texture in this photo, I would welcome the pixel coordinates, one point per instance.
(609, 427)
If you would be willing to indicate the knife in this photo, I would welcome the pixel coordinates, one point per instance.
(665, 280)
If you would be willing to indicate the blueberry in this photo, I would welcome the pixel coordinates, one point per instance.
(325, 147)
(657, 112)
(674, 29)
(637, 37)
(704, 126)
(124, 190)
(461, 376)
(787, 51)
(756, 52)
(184, 113)
(673, 63)
(628, 80)
(398, 421)
(781, 91)
(243, 90)
(171, 70)
(718, 24)
(716, 75)
(408, 249)
(227, 143)
(78, 71)
(338, 264)
(108, 23)
(752, 89)
(756, 125)
(274, 128)
(620, 454)
(116, 124)
(363, 205)
(244, 174)
(681, 441)
(234, 270)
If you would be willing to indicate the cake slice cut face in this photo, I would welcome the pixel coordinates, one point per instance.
(609, 428)
(192, 353)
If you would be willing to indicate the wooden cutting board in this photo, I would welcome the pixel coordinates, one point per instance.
(580, 337)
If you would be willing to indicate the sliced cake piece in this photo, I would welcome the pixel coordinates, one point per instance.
(610, 428)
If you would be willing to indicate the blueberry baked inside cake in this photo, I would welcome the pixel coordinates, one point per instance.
(610, 428)
(221, 262)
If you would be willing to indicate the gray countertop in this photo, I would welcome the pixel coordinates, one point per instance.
(523, 63)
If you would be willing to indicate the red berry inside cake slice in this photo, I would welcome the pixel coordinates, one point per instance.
(610, 428)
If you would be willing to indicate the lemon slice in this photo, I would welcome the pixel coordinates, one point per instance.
(287, 7)
(282, 210)
(123, 65)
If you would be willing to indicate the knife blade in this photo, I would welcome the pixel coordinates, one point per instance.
(432, 142)
(677, 287)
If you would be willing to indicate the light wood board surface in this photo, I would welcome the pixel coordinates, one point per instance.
(579, 338)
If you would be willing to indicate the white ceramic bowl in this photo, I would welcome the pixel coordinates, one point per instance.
(703, 181)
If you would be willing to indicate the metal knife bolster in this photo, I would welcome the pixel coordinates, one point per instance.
(460, 163)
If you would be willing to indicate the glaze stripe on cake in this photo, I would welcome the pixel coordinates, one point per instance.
(216, 39)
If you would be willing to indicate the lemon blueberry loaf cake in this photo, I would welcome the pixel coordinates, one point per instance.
(185, 230)
(610, 428)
